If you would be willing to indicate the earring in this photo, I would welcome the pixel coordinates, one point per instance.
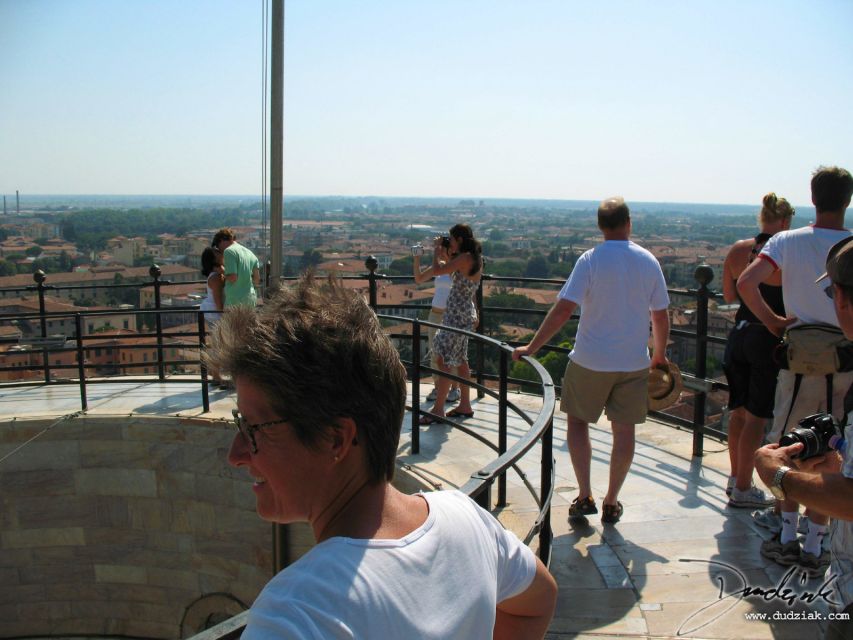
(336, 458)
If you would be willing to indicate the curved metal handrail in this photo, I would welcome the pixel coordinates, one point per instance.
(540, 429)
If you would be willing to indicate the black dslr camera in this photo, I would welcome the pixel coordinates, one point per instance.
(817, 433)
(445, 242)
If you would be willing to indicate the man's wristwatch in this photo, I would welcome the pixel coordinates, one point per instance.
(776, 486)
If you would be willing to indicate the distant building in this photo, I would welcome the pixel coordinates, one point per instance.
(127, 250)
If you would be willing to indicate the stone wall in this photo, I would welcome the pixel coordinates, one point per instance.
(131, 526)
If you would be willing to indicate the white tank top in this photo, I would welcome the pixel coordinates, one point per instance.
(208, 304)
(442, 291)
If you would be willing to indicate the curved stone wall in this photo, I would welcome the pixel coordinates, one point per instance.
(129, 526)
(118, 526)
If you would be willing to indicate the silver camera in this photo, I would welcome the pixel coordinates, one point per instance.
(418, 250)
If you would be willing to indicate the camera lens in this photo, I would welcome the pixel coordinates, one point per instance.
(814, 432)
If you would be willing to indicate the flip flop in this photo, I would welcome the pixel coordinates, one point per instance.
(455, 413)
(427, 420)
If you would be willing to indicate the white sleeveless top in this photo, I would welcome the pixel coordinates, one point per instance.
(442, 291)
(208, 304)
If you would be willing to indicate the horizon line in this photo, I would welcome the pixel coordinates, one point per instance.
(394, 197)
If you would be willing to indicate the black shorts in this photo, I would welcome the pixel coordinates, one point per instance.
(750, 369)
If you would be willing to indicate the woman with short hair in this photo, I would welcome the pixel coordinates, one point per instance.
(321, 394)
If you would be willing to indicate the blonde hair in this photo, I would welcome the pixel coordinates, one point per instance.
(774, 208)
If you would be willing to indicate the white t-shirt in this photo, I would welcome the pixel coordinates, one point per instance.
(441, 581)
(442, 291)
(801, 255)
(616, 284)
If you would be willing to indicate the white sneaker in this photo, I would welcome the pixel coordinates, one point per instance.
(751, 498)
(768, 519)
(432, 396)
(454, 395)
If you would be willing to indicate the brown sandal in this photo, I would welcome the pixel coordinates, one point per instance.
(611, 513)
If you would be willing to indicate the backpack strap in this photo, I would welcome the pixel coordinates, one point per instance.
(798, 380)
(829, 393)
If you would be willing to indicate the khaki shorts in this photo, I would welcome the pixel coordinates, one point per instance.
(811, 398)
(624, 396)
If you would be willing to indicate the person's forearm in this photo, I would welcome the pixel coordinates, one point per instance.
(556, 318)
(420, 275)
(828, 493)
(660, 331)
(747, 287)
(510, 627)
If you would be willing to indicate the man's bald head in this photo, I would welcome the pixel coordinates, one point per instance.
(613, 214)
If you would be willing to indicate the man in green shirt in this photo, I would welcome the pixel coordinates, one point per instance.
(242, 269)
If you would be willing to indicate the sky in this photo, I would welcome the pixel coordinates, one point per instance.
(712, 101)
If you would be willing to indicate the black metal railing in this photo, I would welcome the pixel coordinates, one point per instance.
(695, 380)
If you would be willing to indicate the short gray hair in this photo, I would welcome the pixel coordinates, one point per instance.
(318, 353)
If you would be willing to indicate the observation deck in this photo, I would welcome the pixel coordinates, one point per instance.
(650, 576)
(122, 518)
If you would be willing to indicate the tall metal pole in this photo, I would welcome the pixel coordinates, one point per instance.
(281, 534)
(276, 139)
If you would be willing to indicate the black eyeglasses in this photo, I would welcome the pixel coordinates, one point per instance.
(248, 430)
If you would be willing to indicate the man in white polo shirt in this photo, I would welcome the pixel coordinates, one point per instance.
(618, 284)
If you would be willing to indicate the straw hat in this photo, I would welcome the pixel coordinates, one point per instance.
(665, 387)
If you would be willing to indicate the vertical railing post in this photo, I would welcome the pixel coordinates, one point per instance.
(155, 272)
(481, 358)
(502, 402)
(81, 361)
(280, 546)
(267, 269)
(703, 274)
(484, 498)
(202, 367)
(39, 278)
(546, 469)
(416, 386)
(372, 264)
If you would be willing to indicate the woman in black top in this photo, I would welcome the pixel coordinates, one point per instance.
(748, 363)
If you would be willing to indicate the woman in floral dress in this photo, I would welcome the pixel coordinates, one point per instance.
(451, 348)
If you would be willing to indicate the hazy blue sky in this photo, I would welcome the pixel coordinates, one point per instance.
(687, 100)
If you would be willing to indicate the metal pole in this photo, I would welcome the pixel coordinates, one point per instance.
(40, 277)
(546, 467)
(276, 141)
(703, 274)
(154, 271)
(372, 263)
(205, 392)
(481, 357)
(280, 546)
(502, 401)
(81, 367)
(416, 386)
